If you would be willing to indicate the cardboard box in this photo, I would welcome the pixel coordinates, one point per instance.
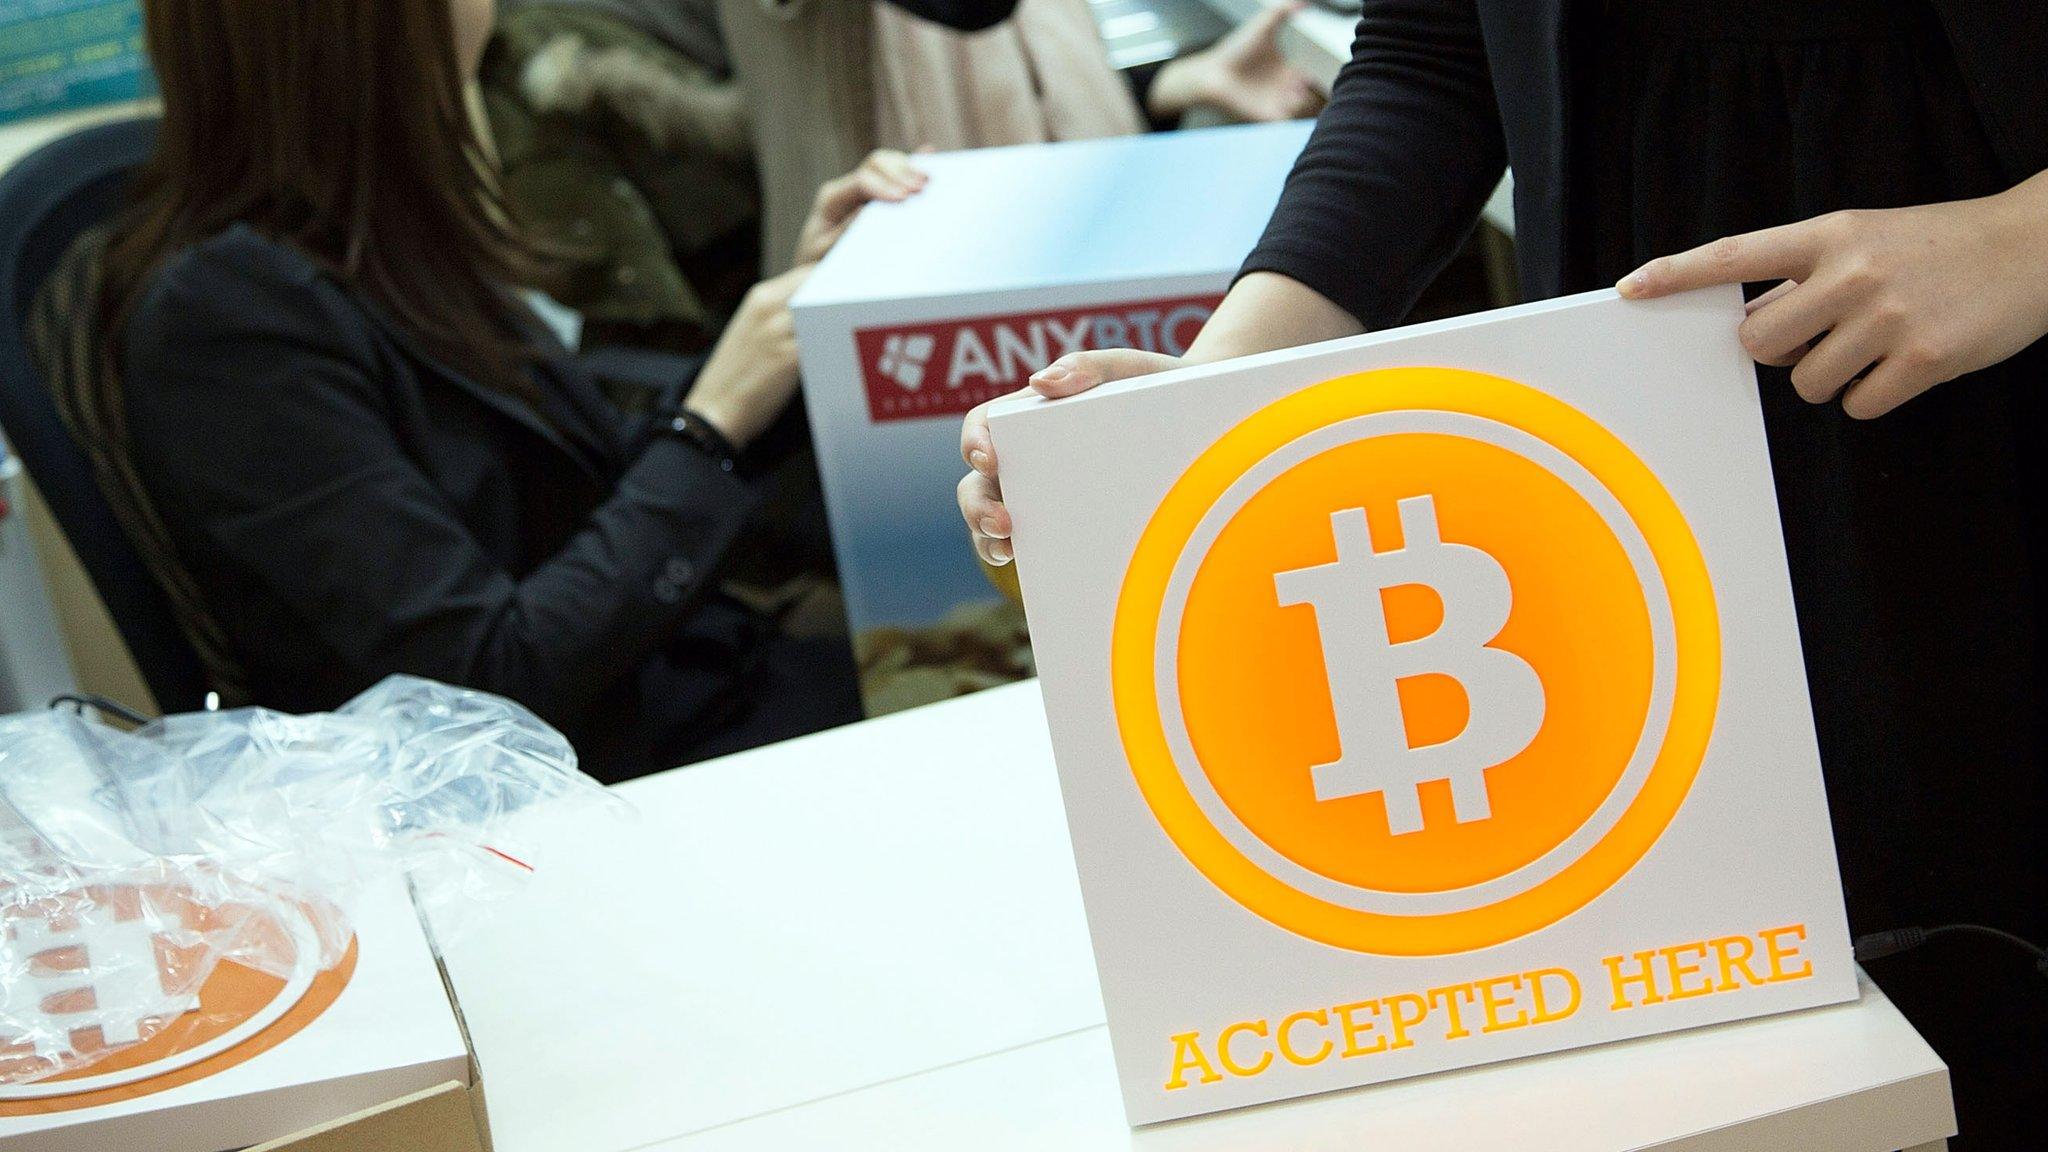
(443, 1119)
(260, 1059)
(450, 1117)
(1009, 258)
(1427, 699)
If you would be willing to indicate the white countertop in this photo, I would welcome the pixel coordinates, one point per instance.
(873, 938)
(780, 926)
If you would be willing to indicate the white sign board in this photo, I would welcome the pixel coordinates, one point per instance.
(1427, 699)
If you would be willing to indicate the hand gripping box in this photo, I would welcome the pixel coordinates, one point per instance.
(1427, 699)
(370, 1043)
(1008, 259)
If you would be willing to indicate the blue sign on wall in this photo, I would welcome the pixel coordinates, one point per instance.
(57, 54)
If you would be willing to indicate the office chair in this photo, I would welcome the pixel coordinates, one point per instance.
(46, 201)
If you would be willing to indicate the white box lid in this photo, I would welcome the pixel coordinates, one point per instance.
(1003, 219)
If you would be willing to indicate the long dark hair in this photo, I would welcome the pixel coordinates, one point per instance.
(340, 127)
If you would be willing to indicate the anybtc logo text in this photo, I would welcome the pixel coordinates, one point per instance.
(945, 367)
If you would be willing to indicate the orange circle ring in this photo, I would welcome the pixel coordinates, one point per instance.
(1696, 638)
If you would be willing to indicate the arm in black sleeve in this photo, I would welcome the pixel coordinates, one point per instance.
(1399, 165)
(260, 425)
(963, 15)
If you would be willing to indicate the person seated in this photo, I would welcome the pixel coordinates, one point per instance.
(347, 447)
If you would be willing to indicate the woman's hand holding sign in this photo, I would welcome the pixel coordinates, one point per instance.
(1879, 306)
(1263, 311)
(981, 491)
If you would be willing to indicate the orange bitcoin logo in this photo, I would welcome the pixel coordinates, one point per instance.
(118, 960)
(1416, 661)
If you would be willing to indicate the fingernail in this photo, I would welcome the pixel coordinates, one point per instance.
(1633, 283)
(978, 460)
(1051, 374)
(990, 529)
(1000, 553)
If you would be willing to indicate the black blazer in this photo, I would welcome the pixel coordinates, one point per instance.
(1440, 95)
(352, 507)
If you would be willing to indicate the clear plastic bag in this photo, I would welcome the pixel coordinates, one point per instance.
(133, 864)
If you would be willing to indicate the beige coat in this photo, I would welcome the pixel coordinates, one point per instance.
(827, 81)
(806, 71)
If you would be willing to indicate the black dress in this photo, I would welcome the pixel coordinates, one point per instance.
(1915, 540)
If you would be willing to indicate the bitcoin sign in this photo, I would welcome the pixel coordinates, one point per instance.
(1366, 664)
(1426, 699)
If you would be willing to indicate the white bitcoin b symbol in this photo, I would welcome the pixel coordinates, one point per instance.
(1365, 665)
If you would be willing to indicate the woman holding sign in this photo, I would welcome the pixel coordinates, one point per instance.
(1877, 168)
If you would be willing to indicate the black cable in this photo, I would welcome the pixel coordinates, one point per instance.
(1877, 945)
(83, 700)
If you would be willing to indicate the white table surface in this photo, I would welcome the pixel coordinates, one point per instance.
(873, 938)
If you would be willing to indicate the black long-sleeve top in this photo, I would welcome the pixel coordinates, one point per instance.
(1439, 95)
(351, 507)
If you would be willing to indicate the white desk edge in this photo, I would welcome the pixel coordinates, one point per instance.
(970, 783)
